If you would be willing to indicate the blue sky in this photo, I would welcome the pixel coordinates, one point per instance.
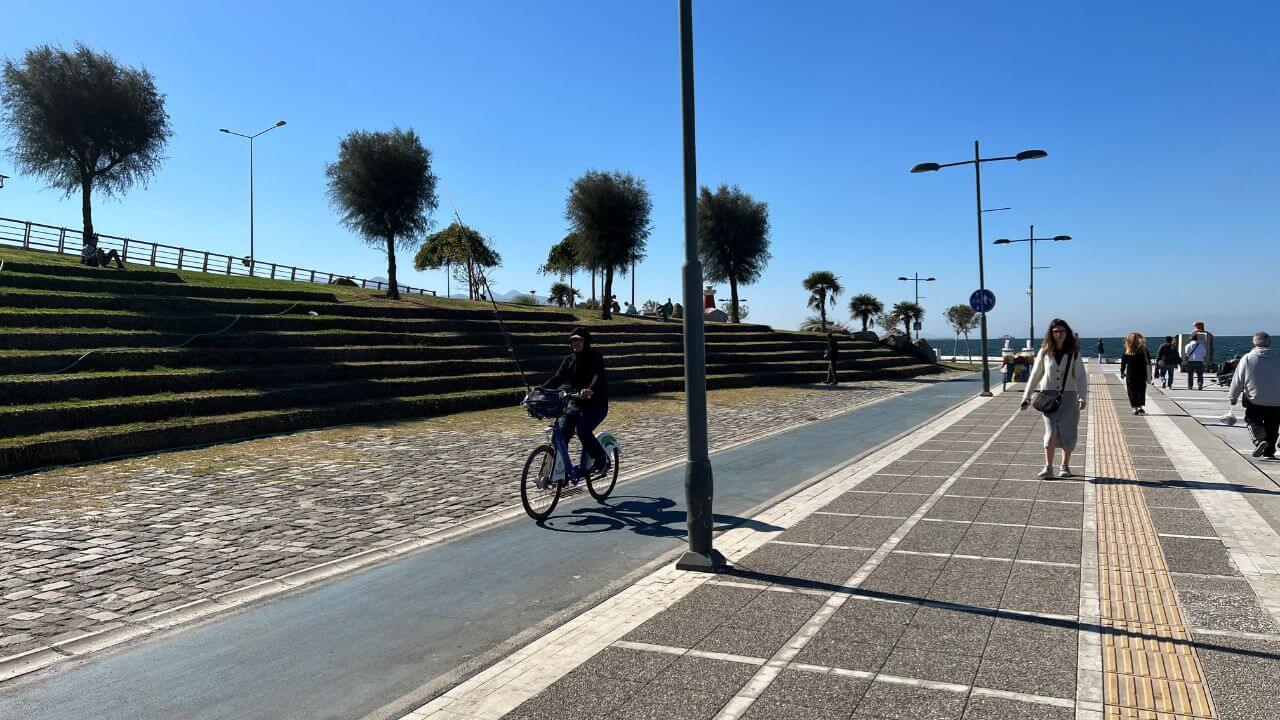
(1160, 122)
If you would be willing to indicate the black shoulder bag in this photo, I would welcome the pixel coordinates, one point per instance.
(1048, 401)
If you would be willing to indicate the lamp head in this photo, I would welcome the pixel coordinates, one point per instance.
(930, 279)
(280, 123)
(1060, 238)
(224, 130)
(1030, 155)
(925, 167)
(1003, 241)
(903, 278)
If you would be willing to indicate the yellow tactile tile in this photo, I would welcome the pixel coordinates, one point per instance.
(1150, 669)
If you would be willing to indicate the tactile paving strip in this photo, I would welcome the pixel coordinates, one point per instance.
(1150, 670)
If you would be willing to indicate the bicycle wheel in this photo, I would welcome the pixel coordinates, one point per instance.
(601, 485)
(539, 492)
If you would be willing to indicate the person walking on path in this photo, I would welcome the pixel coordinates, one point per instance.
(1194, 353)
(1257, 381)
(666, 310)
(1102, 351)
(1135, 370)
(1059, 369)
(832, 356)
(1167, 358)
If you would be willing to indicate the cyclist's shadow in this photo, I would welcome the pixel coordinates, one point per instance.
(643, 515)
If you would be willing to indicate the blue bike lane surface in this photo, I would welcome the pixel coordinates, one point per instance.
(380, 642)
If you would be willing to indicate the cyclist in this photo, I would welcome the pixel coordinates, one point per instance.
(582, 372)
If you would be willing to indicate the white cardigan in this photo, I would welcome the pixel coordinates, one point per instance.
(1047, 375)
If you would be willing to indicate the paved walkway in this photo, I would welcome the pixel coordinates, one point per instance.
(94, 555)
(938, 578)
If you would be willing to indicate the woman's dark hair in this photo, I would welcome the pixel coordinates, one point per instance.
(1071, 345)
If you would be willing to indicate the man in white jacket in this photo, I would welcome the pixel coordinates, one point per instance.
(1257, 379)
(1194, 354)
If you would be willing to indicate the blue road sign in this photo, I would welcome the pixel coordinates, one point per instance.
(982, 300)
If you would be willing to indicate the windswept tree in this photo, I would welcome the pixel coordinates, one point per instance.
(733, 239)
(383, 185)
(963, 319)
(908, 312)
(864, 307)
(562, 259)
(463, 251)
(823, 287)
(609, 212)
(82, 121)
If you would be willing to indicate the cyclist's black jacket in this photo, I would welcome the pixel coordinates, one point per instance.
(581, 371)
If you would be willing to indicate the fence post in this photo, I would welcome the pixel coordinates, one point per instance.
(62, 239)
(313, 276)
(124, 254)
(293, 274)
(153, 254)
(26, 236)
(181, 251)
(273, 271)
(205, 266)
(330, 278)
(228, 264)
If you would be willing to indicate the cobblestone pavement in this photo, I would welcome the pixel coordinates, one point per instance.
(93, 548)
(943, 579)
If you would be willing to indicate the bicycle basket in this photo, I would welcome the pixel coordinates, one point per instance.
(543, 404)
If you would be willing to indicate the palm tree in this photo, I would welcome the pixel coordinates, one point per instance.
(561, 294)
(864, 307)
(823, 286)
(908, 312)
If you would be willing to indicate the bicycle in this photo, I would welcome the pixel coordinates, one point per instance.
(548, 471)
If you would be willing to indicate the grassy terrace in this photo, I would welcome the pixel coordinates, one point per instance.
(304, 355)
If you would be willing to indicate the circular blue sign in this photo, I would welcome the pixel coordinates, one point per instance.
(982, 301)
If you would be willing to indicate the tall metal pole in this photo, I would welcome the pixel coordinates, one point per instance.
(633, 283)
(917, 279)
(1031, 291)
(251, 259)
(698, 486)
(982, 279)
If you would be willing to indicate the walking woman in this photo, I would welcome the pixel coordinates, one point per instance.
(1135, 370)
(1059, 373)
(832, 356)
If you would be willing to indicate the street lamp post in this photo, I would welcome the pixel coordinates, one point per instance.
(976, 162)
(1031, 241)
(698, 486)
(917, 280)
(251, 138)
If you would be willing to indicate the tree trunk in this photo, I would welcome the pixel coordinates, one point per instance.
(471, 280)
(733, 299)
(864, 322)
(393, 291)
(906, 323)
(572, 295)
(606, 290)
(593, 283)
(822, 311)
(86, 207)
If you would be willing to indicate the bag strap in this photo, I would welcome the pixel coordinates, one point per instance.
(1071, 366)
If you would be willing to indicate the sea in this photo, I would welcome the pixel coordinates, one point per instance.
(1224, 346)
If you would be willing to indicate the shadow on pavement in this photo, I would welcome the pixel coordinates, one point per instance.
(787, 581)
(1186, 484)
(651, 516)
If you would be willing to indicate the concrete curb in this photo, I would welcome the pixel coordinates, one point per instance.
(200, 608)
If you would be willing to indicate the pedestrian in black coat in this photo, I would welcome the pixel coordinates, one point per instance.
(832, 356)
(1135, 370)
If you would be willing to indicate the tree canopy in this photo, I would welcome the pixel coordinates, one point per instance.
(609, 214)
(563, 259)
(865, 306)
(383, 186)
(908, 312)
(733, 239)
(963, 319)
(81, 121)
(823, 287)
(462, 249)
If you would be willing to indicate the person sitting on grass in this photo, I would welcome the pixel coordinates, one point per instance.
(94, 256)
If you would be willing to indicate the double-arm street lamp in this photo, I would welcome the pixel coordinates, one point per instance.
(976, 162)
(251, 138)
(917, 280)
(1031, 241)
